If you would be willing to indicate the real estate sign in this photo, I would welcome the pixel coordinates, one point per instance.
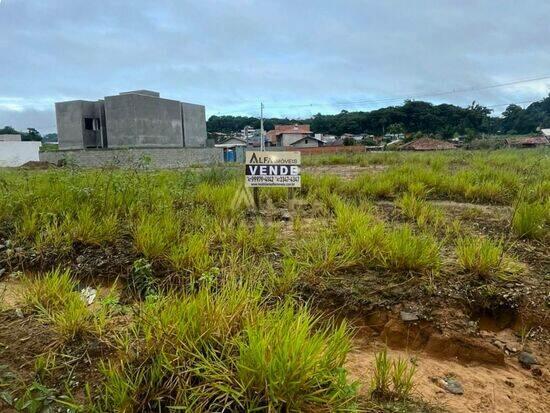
(272, 169)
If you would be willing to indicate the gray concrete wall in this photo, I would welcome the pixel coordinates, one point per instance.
(143, 121)
(194, 125)
(70, 124)
(160, 158)
(311, 143)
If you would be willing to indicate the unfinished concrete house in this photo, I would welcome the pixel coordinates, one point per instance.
(136, 119)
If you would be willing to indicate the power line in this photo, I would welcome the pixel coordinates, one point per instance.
(418, 96)
(392, 99)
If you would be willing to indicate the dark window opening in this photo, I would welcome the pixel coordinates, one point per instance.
(306, 142)
(88, 123)
(92, 124)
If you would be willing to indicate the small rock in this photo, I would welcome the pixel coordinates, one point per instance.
(527, 359)
(509, 383)
(19, 313)
(450, 384)
(536, 371)
(499, 344)
(2, 271)
(511, 349)
(407, 316)
(453, 386)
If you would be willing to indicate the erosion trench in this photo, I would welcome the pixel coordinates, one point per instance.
(485, 364)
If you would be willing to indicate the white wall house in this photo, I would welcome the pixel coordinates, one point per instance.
(16, 153)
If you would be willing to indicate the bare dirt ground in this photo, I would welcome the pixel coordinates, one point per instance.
(487, 388)
(344, 171)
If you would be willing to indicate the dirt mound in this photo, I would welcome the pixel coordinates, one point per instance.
(36, 165)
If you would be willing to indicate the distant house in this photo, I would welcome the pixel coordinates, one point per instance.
(545, 133)
(286, 135)
(335, 142)
(308, 142)
(14, 152)
(528, 141)
(233, 149)
(427, 144)
(231, 143)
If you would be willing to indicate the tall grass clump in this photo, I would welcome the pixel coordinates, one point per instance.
(325, 253)
(90, 227)
(480, 256)
(288, 362)
(191, 254)
(404, 250)
(49, 291)
(423, 213)
(155, 232)
(226, 351)
(392, 379)
(55, 297)
(530, 220)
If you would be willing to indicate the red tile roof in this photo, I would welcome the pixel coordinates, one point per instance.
(427, 144)
(292, 129)
(528, 140)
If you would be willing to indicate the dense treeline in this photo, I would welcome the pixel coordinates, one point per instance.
(413, 116)
(31, 135)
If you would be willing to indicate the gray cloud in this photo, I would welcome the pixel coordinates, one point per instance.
(230, 54)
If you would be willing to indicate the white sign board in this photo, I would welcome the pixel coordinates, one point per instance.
(272, 169)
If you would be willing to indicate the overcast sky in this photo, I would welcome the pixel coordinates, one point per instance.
(300, 57)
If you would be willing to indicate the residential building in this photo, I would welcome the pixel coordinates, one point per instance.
(136, 119)
(527, 141)
(286, 135)
(308, 142)
(233, 149)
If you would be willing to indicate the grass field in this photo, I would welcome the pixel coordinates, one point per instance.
(205, 304)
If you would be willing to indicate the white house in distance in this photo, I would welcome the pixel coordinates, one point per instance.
(308, 142)
(14, 152)
(296, 136)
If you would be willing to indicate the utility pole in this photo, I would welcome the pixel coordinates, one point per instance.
(262, 142)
